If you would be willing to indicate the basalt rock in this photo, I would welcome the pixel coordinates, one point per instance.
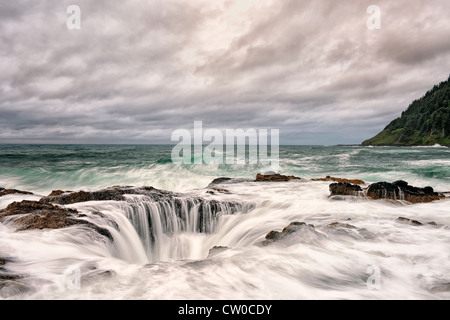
(113, 193)
(218, 190)
(274, 178)
(220, 180)
(274, 236)
(415, 222)
(4, 192)
(341, 225)
(32, 215)
(400, 190)
(352, 181)
(349, 230)
(55, 193)
(216, 250)
(344, 189)
(226, 180)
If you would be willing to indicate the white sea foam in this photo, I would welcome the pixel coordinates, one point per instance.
(328, 264)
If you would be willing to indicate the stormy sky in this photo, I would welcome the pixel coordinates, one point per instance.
(138, 70)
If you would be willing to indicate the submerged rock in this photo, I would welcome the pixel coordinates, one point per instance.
(226, 180)
(10, 284)
(415, 222)
(409, 221)
(274, 178)
(220, 180)
(274, 236)
(10, 288)
(31, 215)
(341, 225)
(216, 250)
(218, 190)
(349, 230)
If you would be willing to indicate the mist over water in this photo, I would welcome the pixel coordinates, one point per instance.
(162, 251)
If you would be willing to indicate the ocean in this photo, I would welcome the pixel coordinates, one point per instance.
(160, 250)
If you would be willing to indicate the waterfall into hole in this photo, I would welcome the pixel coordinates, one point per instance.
(173, 228)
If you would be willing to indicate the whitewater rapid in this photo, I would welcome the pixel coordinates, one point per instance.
(174, 260)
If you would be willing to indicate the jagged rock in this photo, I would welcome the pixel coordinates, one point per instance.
(344, 189)
(58, 193)
(274, 236)
(341, 225)
(225, 180)
(350, 230)
(274, 178)
(4, 192)
(37, 215)
(220, 180)
(113, 193)
(400, 190)
(352, 181)
(216, 250)
(415, 222)
(219, 190)
(409, 221)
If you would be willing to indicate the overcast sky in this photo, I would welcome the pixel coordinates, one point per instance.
(137, 70)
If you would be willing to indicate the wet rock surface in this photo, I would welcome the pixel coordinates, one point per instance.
(294, 227)
(416, 223)
(398, 190)
(31, 215)
(343, 180)
(344, 189)
(274, 178)
(401, 190)
(4, 192)
(113, 193)
(10, 283)
(349, 230)
(216, 250)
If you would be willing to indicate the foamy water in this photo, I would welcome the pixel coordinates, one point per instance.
(323, 263)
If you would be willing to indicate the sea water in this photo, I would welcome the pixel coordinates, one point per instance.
(173, 261)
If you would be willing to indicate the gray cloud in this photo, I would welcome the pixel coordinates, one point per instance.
(138, 70)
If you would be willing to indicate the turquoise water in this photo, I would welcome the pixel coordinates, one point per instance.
(40, 168)
(154, 257)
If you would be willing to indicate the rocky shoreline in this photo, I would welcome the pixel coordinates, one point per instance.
(50, 212)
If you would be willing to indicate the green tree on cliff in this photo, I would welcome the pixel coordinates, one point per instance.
(425, 122)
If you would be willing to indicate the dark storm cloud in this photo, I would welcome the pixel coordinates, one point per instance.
(139, 69)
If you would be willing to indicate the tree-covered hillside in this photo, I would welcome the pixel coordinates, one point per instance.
(425, 122)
